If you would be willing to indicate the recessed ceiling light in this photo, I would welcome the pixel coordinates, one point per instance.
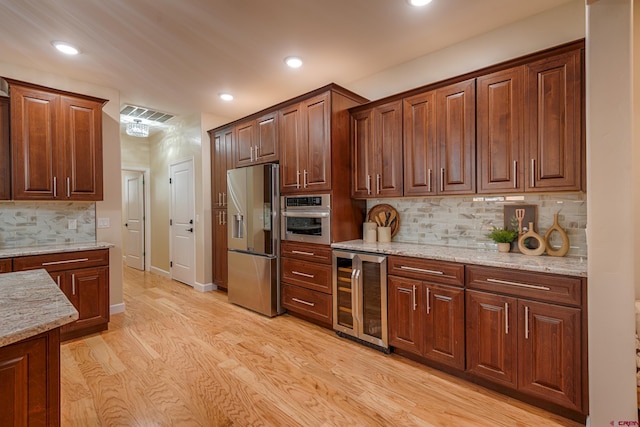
(293, 61)
(65, 48)
(419, 3)
(226, 97)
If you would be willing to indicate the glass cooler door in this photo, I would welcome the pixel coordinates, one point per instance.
(344, 284)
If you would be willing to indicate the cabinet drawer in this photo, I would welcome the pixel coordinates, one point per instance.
(5, 265)
(537, 286)
(439, 271)
(306, 252)
(62, 261)
(307, 274)
(308, 303)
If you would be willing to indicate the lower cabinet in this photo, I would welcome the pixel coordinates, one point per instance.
(220, 258)
(305, 274)
(524, 331)
(425, 317)
(84, 278)
(30, 381)
(5, 265)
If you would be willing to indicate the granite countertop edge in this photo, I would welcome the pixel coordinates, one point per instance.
(50, 249)
(569, 266)
(31, 303)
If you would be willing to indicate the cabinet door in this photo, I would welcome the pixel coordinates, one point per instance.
(405, 316)
(244, 133)
(220, 248)
(221, 160)
(554, 100)
(456, 131)
(290, 133)
(5, 153)
(80, 173)
(315, 152)
(444, 324)
(549, 356)
(266, 143)
(30, 382)
(500, 106)
(419, 144)
(33, 141)
(5, 266)
(362, 159)
(88, 291)
(491, 337)
(387, 124)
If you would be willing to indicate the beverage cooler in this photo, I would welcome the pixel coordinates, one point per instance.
(360, 297)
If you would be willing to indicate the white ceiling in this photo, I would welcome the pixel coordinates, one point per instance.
(177, 55)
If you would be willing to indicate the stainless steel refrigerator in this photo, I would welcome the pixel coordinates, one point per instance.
(254, 238)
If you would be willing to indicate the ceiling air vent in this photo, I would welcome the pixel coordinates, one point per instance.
(145, 113)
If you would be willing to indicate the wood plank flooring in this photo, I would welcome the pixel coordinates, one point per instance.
(184, 358)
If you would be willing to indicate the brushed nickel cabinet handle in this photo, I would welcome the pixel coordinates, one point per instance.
(429, 180)
(67, 261)
(298, 178)
(506, 318)
(224, 199)
(368, 184)
(533, 173)
(421, 270)
(413, 296)
(521, 285)
(73, 284)
(526, 322)
(441, 179)
(58, 280)
(55, 187)
(304, 178)
(224, 218)
(310, 304)
(298, 273)
(68, 187)
(378, 178)
(515, 174)
(251, 153)
(303, 253)
(256, 151)
(428, 300)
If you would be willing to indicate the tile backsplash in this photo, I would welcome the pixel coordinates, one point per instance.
(463, 222)
(46, 223)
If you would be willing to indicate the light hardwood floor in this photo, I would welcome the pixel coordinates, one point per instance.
(184, 358)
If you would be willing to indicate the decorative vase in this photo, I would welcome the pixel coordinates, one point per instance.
(562, 251)
(533, 235)
(504, 247)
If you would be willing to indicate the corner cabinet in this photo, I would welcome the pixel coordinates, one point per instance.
(56, 144)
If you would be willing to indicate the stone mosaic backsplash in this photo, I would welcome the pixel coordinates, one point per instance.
(46, 223)
(462, 222)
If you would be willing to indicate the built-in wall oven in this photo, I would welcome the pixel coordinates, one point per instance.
(306, 218)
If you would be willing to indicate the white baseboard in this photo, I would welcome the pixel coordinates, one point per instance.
(204, 287)
(160, 272)
(116, 308)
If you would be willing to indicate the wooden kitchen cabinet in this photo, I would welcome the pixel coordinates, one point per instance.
(5, 152)
(439, 141)
(525, 331)
(377, 151)
(426, 316)
(83, 276)
(553, 125)
(220, 258)
(30, 381)
(56, 144)
(6, 265)
(222, 142)
(257, 140)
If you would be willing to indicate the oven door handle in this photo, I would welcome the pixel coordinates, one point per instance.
(306, 214)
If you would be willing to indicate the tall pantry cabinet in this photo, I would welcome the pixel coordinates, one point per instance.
(221, 161)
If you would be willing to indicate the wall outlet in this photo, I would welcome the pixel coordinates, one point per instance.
(72, 224)
(103, 223)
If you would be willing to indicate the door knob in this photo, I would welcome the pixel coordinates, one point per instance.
(126, 225)
(190, 221)
(190, 230)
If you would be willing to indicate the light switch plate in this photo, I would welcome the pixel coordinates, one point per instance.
(103, 223)
(72, 224)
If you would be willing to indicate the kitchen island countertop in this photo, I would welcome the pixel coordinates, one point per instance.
(569, 266)
(31, 303)
(50, 249)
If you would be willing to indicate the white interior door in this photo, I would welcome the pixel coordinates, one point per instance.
(134, 219)
(182, 222)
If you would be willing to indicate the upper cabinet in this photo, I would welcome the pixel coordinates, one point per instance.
(439, 141)
(377, 151)
(221, 160)
(529, 127)
(5, 153)
(56, 144)
(257, 141)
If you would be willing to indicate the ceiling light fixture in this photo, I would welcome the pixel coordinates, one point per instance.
(293, 61)
(137, 128)
(226, 97)
(65, 48)
(418, 3)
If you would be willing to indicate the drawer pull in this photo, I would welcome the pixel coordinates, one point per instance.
(297, 273)
(428, 302)
(67, 261)
(421, 270)
(310, 304)
(413, 295)
(506, 318)
(73, 284)
(521, 285)
(526, 322)
(303, 253)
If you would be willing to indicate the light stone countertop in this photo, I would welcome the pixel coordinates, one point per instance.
(30, 304)
(50, 249)
(570, 266)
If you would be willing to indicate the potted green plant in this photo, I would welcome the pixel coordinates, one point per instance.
(503, 237)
